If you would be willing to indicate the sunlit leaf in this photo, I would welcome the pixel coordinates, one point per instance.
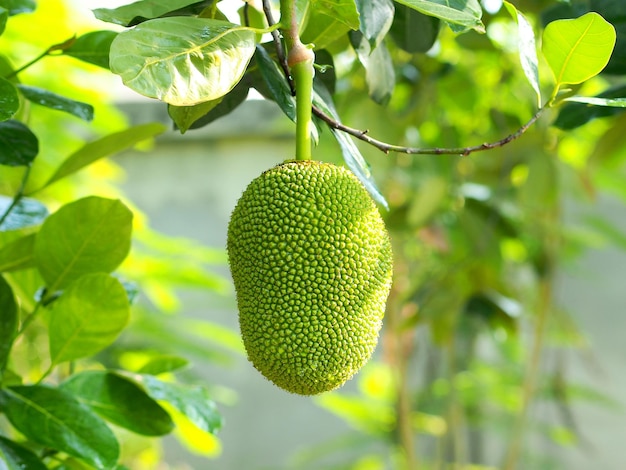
(185, 116)
(573, 115)
(104, 147)
(460, 14)
(87, 236)
(610, 102)
(182, 61)
(88, 316)
(119, 401)
(18, 254)
(55, 419)
(142, 10)
(26, 213)
(15, 457)
(527, 49)
(9, 100)
(18, 145)
(578, 49)
(163, 364)
(51, 100)
(8, 321)
(93, 47)
(193, 401)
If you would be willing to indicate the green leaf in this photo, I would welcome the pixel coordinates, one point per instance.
(323, 30)
(16, 7)
(90, 235)
(460, 14)
(135, 13)
(51, 100)
(93, 47)
(9, 99)
(375, 18)
(55, 419)
(573, 115)
(18, 254)
(344, 11)
(185, 116)
(527, 49)
(26, 213)
(120, 401)
(351, 154)
(276, 83)
(193, 401)
(4, 16)
(379, 69)
(163, 364)
(182, 61)
(104, 147)
(406, 21)
(611, 102)
(87, 317)
(578, 49)
(16, 457)
(18, 145)
(8, 322)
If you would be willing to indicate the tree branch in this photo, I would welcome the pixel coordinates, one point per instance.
(278, 45)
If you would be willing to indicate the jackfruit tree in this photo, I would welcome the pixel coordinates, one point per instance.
(435, 145)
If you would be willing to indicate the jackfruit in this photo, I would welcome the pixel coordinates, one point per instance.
(311, 262)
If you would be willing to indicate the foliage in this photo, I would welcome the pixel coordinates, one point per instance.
(477, 240)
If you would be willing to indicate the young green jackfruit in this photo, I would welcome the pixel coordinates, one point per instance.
(311, 262)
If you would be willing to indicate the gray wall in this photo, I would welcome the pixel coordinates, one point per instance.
(188, 185)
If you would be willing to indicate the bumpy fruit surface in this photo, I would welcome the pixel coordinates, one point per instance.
(311, 262)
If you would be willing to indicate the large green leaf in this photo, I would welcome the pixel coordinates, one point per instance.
(527, 49)
(573, 115)
(120, 401)
(379, 70)
(460, 14)
(55, 419)
(105, 146)
(93, 47)
(88, 316)
(185, 116)
(193, 401)
(375, 18)
(18, 145)
(406, 21)
(18, 254)
(135, 13)
(8, 321)
(51, 100)
(16, 457)
(87, 236)
(578, 49)
(25, 213)
(9, 100)
(183, 61)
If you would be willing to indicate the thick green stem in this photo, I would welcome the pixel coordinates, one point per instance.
(300, 59)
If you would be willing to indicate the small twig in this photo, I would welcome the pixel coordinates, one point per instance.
(278, 44)
(56, 47)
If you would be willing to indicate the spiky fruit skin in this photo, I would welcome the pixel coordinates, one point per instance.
(311, 263)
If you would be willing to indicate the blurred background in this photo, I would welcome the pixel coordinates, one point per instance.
(502, 343)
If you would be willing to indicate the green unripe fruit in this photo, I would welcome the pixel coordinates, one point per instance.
(311, 262)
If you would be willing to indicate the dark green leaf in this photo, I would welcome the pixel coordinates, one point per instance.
(18, 254)
(228, 103)
(26, 213)
(15, 457)
(184, 60)
(573, 115)
(120, 401)
(192, 401)
(55, 419)
(104, 147)
(326, 72)
(461, 15)
(162, 364)
(88, 316)
(8, 321)
(137, 12)
(276, 83)
(93, 47)
(379, 71)
(9, 99)
(351, 154)
(4, 16)
(185, 116)
(406, 22)
(16, 7)
(87, 236)
(18, 145)
(51, 100)
(376, 17)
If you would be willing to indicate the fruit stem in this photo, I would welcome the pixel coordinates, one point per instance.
(300, 59)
